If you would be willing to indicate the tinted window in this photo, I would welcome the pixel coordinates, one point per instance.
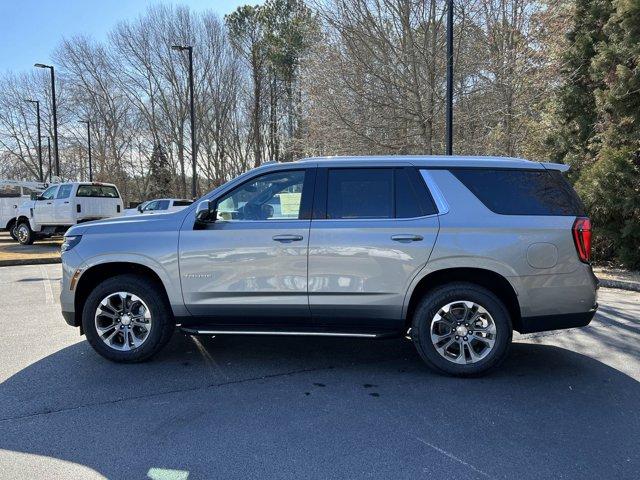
(522, 192)
(412, 200)
(274, 196)
(65, 191)
(182, 203)
(105, 191)
(360, 193)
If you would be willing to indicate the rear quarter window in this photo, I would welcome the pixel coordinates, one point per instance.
(522, 192)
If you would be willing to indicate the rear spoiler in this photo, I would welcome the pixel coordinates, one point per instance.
(555, 166)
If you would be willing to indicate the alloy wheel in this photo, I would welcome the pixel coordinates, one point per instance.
(123, 321)
(463, 332)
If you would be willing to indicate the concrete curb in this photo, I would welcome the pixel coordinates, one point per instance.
(621, 284)
(29, 261)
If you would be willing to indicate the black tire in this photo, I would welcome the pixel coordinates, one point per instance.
(12, 230)
(151, 293)
(24, 234)
(437, 298)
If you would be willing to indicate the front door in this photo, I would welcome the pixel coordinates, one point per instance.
(372, 231)
(250, 266)
(43, 210)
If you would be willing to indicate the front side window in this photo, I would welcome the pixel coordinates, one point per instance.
(151, 206)
(274, 196)
(49, 193)
(65, 191)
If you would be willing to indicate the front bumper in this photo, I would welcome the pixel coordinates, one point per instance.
(557, 322)
(70, 318)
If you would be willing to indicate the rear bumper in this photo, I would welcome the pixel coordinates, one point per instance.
(556, 322)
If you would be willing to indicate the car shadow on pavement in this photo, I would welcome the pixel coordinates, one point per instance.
(290, 407)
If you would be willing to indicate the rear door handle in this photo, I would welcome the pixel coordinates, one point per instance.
(287, 238)
(406, 237)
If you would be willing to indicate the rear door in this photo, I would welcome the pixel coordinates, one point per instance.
(372, 230)
(63, 209)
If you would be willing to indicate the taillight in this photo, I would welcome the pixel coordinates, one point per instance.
(582, 238)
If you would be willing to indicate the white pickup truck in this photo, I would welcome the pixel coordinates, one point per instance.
(12, 194)
(62, 205)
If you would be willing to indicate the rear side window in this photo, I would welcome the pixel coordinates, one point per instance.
(360, 193)
(163, 205)
(182, 203)
(102, 191)
(522, 192)
(64, 191)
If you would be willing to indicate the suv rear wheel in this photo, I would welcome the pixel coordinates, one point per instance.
(461, 329)
(127, 319)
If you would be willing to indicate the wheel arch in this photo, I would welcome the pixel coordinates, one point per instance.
(10, 223)
(489, 279)
(95, 274)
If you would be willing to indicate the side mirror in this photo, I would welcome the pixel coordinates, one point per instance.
(140, 208)
(34, 196)
(206, 212)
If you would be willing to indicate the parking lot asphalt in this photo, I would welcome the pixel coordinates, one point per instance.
(563, 405)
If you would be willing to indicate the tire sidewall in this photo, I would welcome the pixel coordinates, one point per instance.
(12, 231)
(429, 307)
(145, 290)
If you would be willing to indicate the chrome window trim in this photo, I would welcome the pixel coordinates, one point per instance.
(436, 193)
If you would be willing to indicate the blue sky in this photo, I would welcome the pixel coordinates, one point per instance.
(31, 29)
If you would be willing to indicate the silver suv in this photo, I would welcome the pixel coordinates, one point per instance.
(455, 252)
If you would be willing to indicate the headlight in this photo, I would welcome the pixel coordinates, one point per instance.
(70, 242)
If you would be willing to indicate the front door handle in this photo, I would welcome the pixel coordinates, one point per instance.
(406, 237)
(287, 238)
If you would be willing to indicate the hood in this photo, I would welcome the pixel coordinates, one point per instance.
(131, 224)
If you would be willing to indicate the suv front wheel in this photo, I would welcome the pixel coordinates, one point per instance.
(461, 329)
(127, 318)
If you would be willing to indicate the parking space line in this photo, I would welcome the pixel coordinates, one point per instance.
(48, 289)
(453, 457)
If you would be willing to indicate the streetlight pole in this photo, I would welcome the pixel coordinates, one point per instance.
(40, 172)
(88, 122)
(194, 180)
(49, 149)
(449, 101)
(55, 113)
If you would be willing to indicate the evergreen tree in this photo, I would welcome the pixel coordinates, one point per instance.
(611, 187)
(160, 178)
(572, 142)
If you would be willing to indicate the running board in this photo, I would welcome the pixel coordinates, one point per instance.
(289, 333)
